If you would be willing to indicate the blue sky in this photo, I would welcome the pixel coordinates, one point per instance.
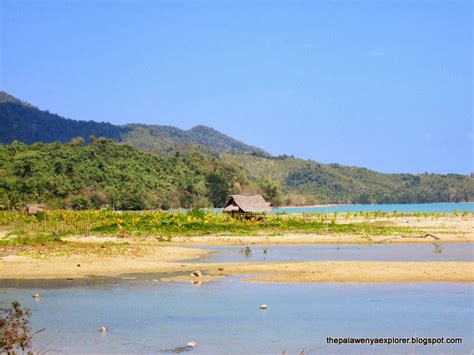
(381, 84)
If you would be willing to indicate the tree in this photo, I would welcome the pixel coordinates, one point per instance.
(132, 198)
(364, 198)
(97, 200)
(13, 200)
(79, 203)
(76, 142)
(219, 189)
(58, 168)
(92, 139)
(271, 191)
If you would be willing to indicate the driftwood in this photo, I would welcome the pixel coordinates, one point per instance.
(409, 237)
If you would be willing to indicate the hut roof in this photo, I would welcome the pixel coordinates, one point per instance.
(34, 208)
(247, 203)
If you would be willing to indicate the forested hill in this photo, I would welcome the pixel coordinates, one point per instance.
(105, 173)
(163, 139)
(306, 182)
(109, 174)
(194, 168)
(24, 122)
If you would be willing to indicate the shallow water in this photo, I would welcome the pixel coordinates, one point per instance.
(223, 316)
(407, 208)
(442, 207)
(341, 252)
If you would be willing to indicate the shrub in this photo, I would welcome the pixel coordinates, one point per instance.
(15, 329)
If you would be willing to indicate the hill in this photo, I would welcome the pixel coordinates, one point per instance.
(305, 182)
(195, 164)
(165, 139)
(73, 175)
(26, 123)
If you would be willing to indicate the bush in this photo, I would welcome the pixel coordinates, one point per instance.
(15, 329)
(79, 203)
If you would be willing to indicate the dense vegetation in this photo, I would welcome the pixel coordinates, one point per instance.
(193, 168)
(165, 139)
(105, 173)
(307, 182)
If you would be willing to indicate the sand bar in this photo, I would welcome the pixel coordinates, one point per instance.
(110, 256)
(150, 258)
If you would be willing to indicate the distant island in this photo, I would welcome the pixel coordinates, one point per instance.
(66, 163)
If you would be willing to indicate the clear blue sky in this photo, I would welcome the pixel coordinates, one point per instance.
(381, 84)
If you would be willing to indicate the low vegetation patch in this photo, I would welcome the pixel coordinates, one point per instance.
(51, 226)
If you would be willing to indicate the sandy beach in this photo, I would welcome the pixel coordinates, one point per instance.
(170, 260)
(343, 272)
(111, 256)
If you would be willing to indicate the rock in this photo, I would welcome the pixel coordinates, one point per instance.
(191, 344)
(196, 273)
(221, 269)
(36, 296)
(263, 306)
(78, 265)
(103, 329)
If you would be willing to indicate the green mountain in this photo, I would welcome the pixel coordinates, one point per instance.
(305, 182)
(165, 139)
(196, 167)
(23, 122)
(73, 175)
(26, 123)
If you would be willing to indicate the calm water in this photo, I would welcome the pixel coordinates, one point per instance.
(447, 207)
(223, 316)
(340, 252)
(414, 207)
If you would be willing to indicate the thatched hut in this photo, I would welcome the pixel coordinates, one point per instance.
(34, 208)
(247, 205)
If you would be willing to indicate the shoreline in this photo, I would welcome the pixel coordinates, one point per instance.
(373, 204)
(81, 256)
(318, 206)
(314, 239)
(285, 272)
(153, 258)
